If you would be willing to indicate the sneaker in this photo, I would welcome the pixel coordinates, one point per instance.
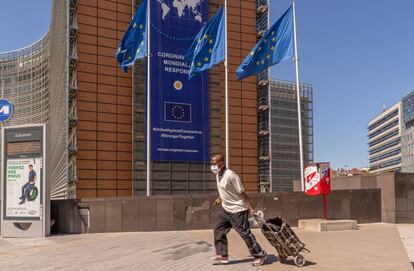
(220, 260)
(216, 257)
(259, 260)
(23, 201)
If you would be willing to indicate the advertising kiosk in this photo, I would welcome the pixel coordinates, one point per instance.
(25, 200)
(318, 181)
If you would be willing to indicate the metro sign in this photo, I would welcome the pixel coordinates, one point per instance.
(6, 110)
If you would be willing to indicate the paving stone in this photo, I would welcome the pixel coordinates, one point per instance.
(190, 250)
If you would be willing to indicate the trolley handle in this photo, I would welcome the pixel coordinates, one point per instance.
(261, 221)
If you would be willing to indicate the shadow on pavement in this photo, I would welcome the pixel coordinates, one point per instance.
(270, 259)
(241, 261)
(291, 262)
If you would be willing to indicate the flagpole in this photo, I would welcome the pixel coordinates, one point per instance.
(269, 103)
(134, 6)
(226, 71)
(148, 100)
(298, 98)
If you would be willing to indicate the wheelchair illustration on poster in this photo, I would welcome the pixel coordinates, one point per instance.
(29, 189)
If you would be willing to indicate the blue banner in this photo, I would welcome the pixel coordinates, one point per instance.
(179, 106)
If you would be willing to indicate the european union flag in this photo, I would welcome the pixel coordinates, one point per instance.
(207, 48)
(177, 112)
(134, 43)
(274, 47)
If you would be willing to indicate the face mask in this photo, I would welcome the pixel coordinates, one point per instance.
(215, 169)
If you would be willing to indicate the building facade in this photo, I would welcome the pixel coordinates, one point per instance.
(106, 132)
(391, 138)
(384, 140)
(96, 112)
(279, 162)
(100, 102)
(61, 57)
(24, 82)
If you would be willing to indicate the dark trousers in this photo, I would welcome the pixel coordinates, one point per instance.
(25, 190)
(239, 222)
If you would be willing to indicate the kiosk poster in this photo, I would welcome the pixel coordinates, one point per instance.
(22, 189)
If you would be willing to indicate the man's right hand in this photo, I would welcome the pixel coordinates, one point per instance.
(217, 201)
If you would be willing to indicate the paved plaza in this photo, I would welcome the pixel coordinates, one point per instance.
(407, 235)
(372, 247)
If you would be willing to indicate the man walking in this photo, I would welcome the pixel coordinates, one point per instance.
(29, 185)
(233, 213)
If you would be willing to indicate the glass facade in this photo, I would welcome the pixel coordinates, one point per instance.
(24, 81)
(34, 80)
(279, 161)
(285, 133)
(408, 108)
(408, 133)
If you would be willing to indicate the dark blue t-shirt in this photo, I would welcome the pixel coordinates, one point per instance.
(32, 175)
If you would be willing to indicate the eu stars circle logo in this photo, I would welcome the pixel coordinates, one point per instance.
(177, 112)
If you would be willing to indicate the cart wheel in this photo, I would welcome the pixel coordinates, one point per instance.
(282, 259)
(300, 260)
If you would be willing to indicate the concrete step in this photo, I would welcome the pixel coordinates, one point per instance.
(320, 225)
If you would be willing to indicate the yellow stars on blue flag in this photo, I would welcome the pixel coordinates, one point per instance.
(262, 54)
(201, 41)
(133, 45)
(275, 46)
(207, 48)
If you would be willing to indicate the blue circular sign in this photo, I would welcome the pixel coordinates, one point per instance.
(6, 110)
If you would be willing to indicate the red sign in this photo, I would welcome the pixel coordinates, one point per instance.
(317, 179)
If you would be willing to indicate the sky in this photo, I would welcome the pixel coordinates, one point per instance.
(23, 22)
(358, 55)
